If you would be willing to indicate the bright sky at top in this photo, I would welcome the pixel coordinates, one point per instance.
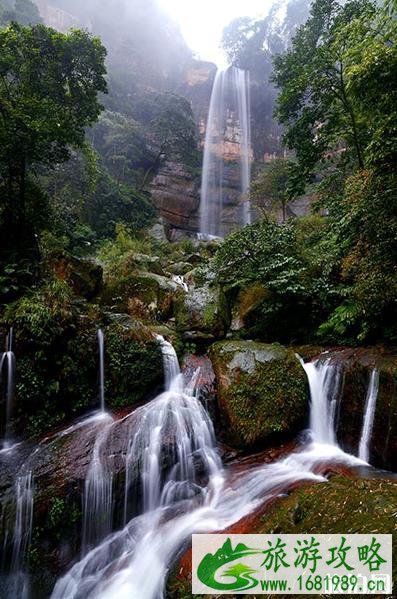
(202, 22)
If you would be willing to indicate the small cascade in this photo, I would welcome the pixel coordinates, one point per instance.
(229, 107)
(324, 382)
(7, 374)
(19, 581)
(180, 281)
(369, 416)
(98, 493)
(101, 347)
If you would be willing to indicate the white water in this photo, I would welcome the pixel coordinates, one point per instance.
(101, 348)
(324, 381)
(369, 415)
(230, 94)
(98, 492)
(19, 581)
(173, 435)
(7, 366)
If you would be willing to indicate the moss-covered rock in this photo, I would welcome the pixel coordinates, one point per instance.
(134, 365)
(202, 312)
(262, 390)
(145, 295)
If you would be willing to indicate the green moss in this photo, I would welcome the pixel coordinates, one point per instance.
(262, 390)
(134, 367)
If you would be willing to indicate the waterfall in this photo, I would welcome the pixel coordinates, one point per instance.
(176, 486)
(324, 382)
(98, 493)
(369, 416)
(101, 347)
(19, 581)
(230, 96)
(7, 364)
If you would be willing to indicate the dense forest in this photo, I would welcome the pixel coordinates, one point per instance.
(102, 134)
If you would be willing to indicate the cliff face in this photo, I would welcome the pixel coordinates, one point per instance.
(175, 192)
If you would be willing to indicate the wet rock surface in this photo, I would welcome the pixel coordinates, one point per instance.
(357, 365)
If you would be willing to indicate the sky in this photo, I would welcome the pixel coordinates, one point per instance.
(202, 22)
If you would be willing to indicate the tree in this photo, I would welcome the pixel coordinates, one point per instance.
(272, 185)
(251, 44)
(25, 12)
(49, 85)
(315, 103)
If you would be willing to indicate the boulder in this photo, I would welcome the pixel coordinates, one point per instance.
(202, 313)
(144, 295)
(262, 391)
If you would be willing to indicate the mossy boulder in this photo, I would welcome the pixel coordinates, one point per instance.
(262, 391)
(145, 295)
(246, 302)
(202, 312)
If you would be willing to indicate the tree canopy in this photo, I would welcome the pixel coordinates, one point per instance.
(49, 85)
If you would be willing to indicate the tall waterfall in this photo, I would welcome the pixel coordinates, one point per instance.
(230, 99)
(369, 415)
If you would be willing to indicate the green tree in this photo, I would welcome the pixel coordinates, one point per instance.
(271, 185)
(49, 85)
(315, 103)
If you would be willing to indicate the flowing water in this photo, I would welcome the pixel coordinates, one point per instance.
(369, 415)
(7, 374)
(230, 105)
(101, 348)
(325, 385)
(19, 581)
(98, 492)
(183, 488)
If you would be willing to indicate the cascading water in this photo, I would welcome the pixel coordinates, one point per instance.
(324, 381)
(101, 348)
(230, 96)
(173, 467)
(98, 493)
(19, 580)
(369, 415)
(7, 366)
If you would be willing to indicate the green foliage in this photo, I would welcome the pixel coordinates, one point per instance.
(271, 186)
(44, 313)
(337, 85)
(134, 367)
(49, 84)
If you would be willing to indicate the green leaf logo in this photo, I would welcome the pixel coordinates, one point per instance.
(242, 573)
